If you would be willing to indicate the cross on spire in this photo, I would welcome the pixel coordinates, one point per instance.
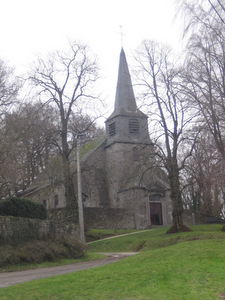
(121, 35)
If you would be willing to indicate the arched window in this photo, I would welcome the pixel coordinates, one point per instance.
(135, 154)
(56, 201)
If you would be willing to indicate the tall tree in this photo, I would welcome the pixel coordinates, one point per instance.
(205, 25)
(205, 83)
(169, 113)
(27, 134)
(201, 13)
(9, 88)
(63, 79)
(204, 178)
(83, 123)
(29, 143)
(205, 68)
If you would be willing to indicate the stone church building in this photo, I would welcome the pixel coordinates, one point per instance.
(121, 183)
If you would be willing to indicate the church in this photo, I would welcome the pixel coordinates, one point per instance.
(122, 184)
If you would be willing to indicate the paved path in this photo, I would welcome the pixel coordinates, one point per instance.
(11, 278)
(121, 235)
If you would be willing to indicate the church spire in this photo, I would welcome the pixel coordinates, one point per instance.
(127, 124)
(125, 100)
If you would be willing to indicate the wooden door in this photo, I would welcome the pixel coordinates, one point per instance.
(156, 213)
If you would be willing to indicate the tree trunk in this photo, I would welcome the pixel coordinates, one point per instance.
(71, 200)
(176, 202)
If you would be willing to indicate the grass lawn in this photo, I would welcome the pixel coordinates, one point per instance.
(180, 266)
(156, 238)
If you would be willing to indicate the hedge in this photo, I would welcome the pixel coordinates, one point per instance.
(20, 207)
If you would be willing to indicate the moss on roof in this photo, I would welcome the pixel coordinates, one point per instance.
(88, 148)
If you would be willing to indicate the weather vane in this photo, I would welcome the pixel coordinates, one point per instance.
(121, 35)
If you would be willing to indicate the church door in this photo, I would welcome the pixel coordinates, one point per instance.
(156, 213)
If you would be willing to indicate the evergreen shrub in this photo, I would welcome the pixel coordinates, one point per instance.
(21, 207)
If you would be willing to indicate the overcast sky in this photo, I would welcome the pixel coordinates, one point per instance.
(35, 27)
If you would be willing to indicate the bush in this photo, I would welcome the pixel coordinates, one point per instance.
(20, 207)
(38, 251)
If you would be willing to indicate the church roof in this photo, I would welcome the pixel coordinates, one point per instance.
(125, 103)
(54, 175)
(124, 92)
(152, 179)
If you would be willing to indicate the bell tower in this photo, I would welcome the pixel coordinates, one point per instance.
(128, 146)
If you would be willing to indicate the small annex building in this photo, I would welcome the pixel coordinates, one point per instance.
(122, 185)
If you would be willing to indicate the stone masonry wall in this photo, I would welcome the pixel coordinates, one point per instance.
(94, 183)
(99, 217)
(108, 218)
(17, 229)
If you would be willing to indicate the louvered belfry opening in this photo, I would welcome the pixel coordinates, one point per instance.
(133, 125)
(112, 129)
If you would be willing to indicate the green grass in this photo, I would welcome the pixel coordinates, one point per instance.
(156, 238)
(185, 266)
(60, 262)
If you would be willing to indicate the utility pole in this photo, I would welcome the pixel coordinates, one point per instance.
(79, 190)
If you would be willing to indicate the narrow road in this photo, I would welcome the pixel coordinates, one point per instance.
(11, 278)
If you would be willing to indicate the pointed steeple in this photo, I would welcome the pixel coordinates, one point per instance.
(127, 124)
(125, 100)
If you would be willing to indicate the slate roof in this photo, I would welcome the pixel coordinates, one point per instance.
(44, 180)
(125, 103)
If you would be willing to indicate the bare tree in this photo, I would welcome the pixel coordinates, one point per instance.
(205, 27)
(83, 123)
(9, 87)
(63, 79)
(169, 113)
(29, 138)
(26, 135)
(205, 68)
(200, 14)
(205, 178)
